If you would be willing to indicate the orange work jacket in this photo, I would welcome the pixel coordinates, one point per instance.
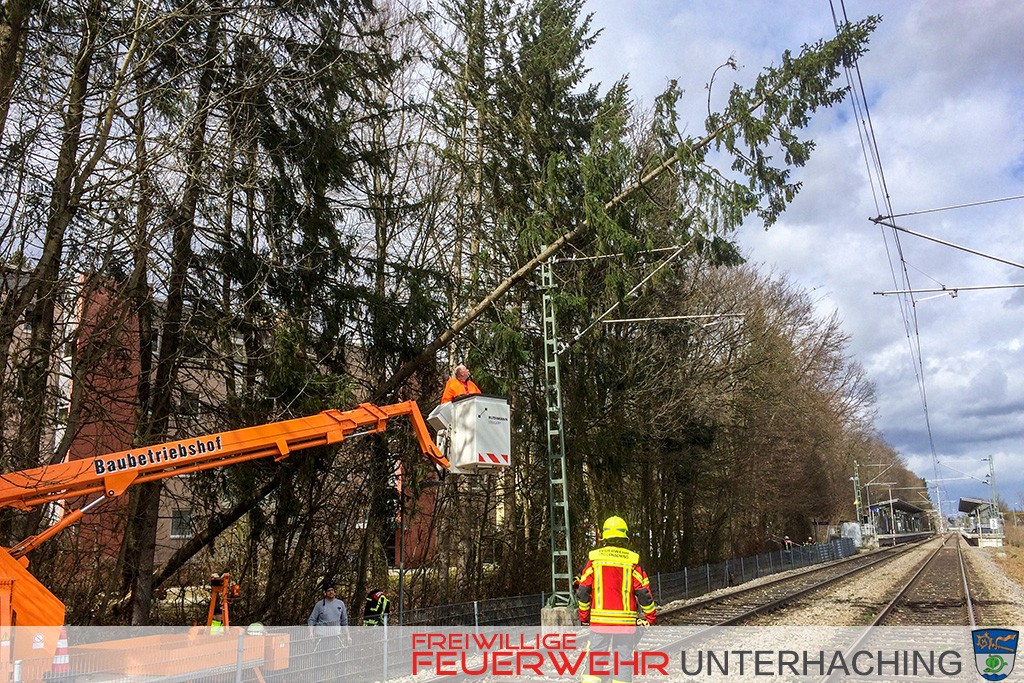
(612, 585)
(455, 388)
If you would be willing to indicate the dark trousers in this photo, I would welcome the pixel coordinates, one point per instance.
(624, 644)
(325, 660)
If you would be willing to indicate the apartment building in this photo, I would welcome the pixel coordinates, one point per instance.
(94, 400)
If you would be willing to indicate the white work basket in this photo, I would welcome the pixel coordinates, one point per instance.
(474, 433)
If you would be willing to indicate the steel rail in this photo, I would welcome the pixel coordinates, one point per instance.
(899, 595)
(883, 555)
(887, 611)
(967, 586)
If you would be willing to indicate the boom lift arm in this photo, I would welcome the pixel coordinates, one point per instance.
(110, 475)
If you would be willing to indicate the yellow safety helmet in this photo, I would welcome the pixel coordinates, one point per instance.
(614, 527)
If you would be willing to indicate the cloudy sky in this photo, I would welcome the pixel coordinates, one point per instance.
(944, 81)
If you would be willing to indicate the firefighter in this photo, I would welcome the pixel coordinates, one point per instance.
(376, 608)
(611, 587)
(788, 543)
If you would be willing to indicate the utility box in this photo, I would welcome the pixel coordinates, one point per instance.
(852, 531)
(474, 433)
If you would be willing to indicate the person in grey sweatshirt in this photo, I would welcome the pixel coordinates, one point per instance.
(328, 631)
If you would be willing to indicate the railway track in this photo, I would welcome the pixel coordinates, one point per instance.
(739, 606)
(937, 592)
(706, 618)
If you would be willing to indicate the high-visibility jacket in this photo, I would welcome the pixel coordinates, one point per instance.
(454, 387)
(612, 585)
(376, 607)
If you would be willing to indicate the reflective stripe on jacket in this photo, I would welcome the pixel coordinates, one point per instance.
(612, 585)
(377, 605)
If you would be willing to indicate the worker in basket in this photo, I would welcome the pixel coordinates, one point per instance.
(612, 586)
(376, 608)
(461, 383)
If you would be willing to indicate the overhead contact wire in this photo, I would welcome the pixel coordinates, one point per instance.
(908, 308)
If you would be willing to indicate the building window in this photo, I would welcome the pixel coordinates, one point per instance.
(189, 404)
(181, 524)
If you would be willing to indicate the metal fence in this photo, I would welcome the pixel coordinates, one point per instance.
(201, 655)
(519, 610)
(690, 582)
(301, 654)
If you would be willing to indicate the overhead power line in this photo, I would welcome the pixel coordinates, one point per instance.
(598, 257)
(945, 243)
(900, 274)
(674, 317)
(952, 291)
(569, 344)
(966, 205)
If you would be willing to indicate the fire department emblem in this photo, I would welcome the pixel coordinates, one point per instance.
(994, 652)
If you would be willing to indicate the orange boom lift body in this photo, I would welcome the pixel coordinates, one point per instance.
(24, 601)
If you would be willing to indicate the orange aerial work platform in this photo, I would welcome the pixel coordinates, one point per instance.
(38, 615)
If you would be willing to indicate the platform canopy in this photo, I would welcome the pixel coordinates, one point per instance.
(897, 504)
(970, 505)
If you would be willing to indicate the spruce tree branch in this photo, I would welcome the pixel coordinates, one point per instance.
(476, 311)
(811, 73)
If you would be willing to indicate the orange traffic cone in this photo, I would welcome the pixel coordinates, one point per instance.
(61, 665)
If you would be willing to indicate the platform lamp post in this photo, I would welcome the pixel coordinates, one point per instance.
(937, 502)
(892, 516)
(856, 491)
(870, 515)
(990, 479)
(993, 496)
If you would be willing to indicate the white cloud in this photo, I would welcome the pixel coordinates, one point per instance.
(946, 92)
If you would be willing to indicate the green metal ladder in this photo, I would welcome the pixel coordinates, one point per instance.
(558, 487)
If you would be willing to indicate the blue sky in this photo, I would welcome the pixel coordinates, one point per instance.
(945, 87)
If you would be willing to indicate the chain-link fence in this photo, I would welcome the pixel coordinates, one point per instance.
(300, 654)
(519, 610)
(690, 582)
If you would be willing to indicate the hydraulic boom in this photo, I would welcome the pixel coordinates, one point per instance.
(26, 602)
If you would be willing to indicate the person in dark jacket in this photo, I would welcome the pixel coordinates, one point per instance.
(376, 608)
